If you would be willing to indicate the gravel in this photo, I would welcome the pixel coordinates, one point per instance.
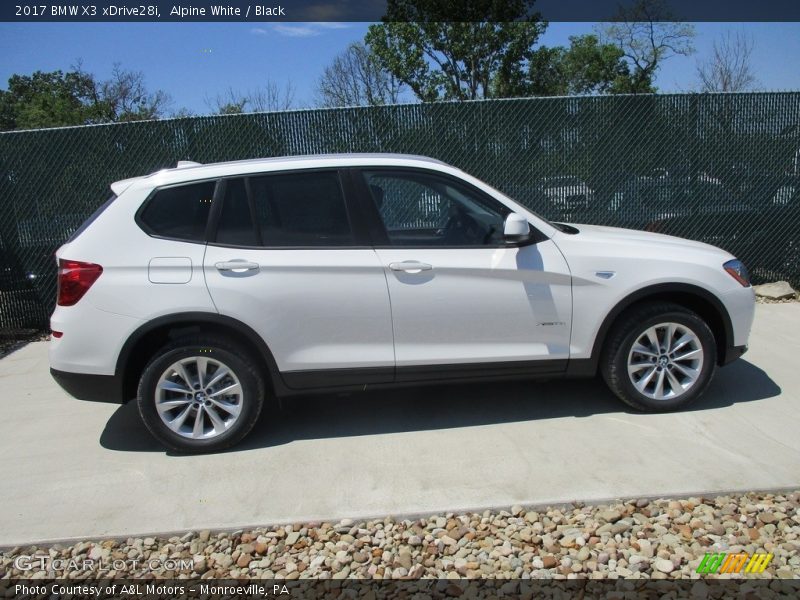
(762, 300)
(637, 538)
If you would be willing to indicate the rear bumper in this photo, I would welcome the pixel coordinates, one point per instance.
(732, 353)
(95, 388)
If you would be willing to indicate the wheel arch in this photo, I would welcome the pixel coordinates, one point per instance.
(142, 343)
(693, 297)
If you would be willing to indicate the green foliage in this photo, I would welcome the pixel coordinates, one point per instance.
(232, 108)
(7, 118)
(546, 74)
(593, 67)
(585, 67)
(58, 99)
(441, 60)
(492, 54)
(49, 100)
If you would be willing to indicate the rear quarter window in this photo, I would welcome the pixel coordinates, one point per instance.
(179, 212)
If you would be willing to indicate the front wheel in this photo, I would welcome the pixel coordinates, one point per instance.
(200, 395)
(660, 357)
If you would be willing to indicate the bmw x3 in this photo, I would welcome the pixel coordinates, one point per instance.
(207, 292)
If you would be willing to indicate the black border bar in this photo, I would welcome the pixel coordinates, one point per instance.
(260, 589)
(255, 11)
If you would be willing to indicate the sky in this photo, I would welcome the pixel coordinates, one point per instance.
(196, 62)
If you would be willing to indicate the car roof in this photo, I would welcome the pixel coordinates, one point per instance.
(189, 171)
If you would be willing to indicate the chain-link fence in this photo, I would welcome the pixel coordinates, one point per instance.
(721, 168)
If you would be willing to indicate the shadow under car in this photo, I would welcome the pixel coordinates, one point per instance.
(441, 406)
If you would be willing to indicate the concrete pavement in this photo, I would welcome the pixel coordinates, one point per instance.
(80, 469)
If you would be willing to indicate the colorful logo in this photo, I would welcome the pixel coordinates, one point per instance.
(729, 562)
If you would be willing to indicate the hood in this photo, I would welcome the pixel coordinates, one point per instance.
(633, 237)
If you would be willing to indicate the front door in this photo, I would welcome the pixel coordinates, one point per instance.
(460, 296)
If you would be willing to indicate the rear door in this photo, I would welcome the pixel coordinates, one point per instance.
(286, 259)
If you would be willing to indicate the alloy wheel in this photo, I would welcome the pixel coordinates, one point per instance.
(665, 361)
(199, 397)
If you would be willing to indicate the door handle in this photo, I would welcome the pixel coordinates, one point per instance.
(237, 266)
(410, 266)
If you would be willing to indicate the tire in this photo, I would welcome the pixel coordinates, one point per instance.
(687, 371)
(207, 419)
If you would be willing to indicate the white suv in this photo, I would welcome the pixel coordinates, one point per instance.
(207, 290)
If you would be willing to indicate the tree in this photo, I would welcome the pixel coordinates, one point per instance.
(8, 119)
(546, 75)
(728, 69)
(58, 99)
(49, 99)
(442, 60)
(593, 67)
(182, 113)
(587, 66)
(229, 103)
(356, 78)
(647, 37)
(272, 97)
(269, 98)
(126, 98)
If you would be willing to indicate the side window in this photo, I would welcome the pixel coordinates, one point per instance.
(292, 210)
(301, 209)
(425, 209)
(235, 225)
(180, 212)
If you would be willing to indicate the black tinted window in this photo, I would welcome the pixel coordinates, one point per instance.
(235, 224)
(180, 212)
(300, 209)
(303, 209)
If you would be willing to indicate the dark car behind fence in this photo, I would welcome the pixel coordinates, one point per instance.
(721, 168)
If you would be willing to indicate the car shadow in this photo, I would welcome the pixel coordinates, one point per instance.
(440, 407)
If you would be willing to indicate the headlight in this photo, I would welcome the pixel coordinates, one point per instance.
(738, 271)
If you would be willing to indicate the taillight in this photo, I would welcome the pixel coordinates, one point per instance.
(74, 280)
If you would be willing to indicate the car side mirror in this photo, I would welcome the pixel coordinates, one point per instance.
(516, 228)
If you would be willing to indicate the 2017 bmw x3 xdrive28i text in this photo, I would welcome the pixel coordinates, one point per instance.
(206, 290)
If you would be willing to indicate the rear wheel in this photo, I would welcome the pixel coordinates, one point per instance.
(200, 395)
(659, 357)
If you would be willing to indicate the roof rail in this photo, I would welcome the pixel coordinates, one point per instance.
(187, 163)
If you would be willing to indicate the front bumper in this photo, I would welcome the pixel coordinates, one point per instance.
(95, 388)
